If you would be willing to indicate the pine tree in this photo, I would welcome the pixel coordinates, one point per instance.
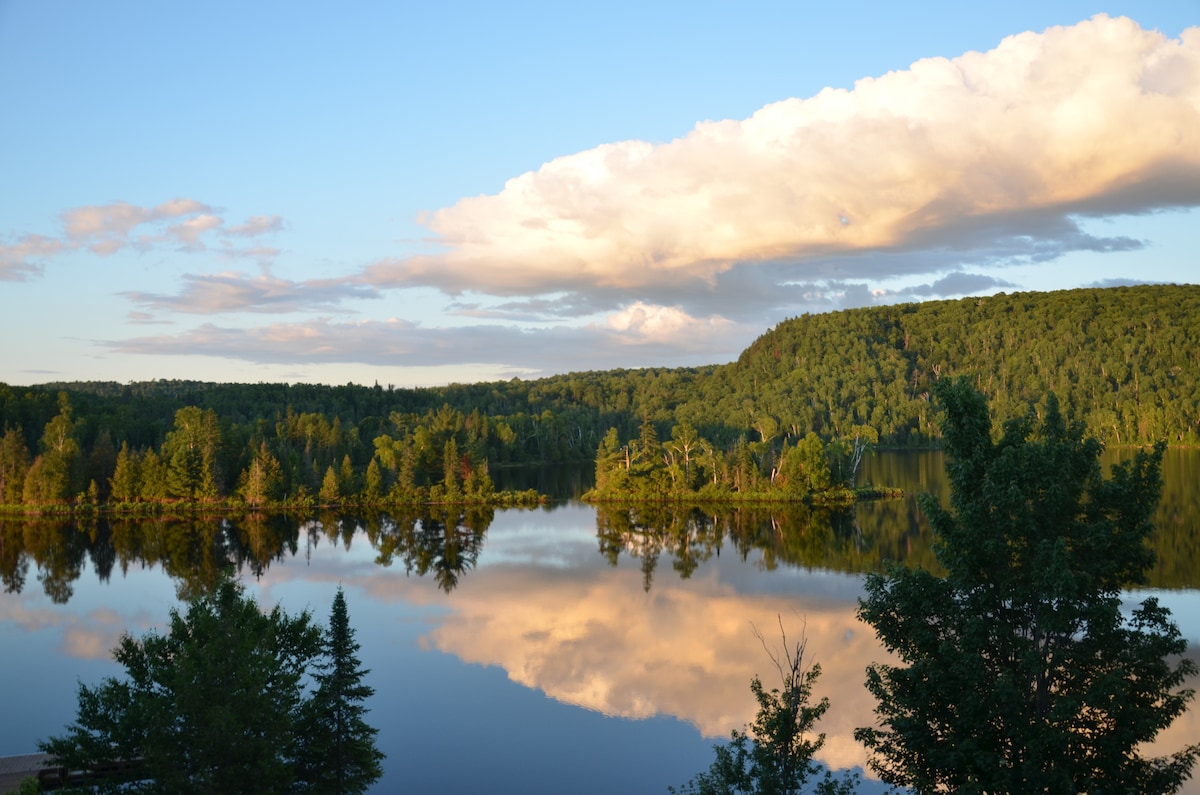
(337, 747)
(125, 483)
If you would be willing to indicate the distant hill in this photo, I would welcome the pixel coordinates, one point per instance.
(1125, 360)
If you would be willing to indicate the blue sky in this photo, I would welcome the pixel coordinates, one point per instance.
(417, 194)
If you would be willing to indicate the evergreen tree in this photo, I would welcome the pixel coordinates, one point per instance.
(210, 707)
(14, 461)
(451, 472)
(1019, 672)
(372, 483)
(331, 490)
(337, 753)
(125, 484)
(262, 481)
(155, 477)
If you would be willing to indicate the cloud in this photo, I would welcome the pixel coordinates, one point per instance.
(257, 225)
(21, 260)
(232, 292)
(105, 229)
(987, 158)
(640, 323)
(645, 336)
(264, 254)
(957, 283)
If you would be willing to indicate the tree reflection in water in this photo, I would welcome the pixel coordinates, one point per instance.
(790, 534)
(445, 542)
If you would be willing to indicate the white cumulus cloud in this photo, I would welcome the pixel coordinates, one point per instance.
(978, 154)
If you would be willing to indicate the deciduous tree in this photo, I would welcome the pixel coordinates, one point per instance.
(1019, 671)
(776, 756)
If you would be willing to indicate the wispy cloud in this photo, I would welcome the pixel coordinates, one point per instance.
(24, 259)
(955, 284)
(257, 225)
(984, 158)
(105, 229)
(239, 292)
(644, 336)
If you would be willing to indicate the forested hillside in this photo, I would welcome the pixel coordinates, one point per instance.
(1124, 360)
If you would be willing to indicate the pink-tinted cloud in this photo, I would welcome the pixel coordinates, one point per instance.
(256, 225)
(21, 260)
(975, 154)
(188, 232)
(239, 292)
(400, 343)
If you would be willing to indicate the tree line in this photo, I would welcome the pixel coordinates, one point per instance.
(1124, 361)
(690, 467)
(299, 460)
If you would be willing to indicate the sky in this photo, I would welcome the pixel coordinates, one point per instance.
(419, 194)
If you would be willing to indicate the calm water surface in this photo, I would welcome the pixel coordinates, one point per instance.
(554, 650)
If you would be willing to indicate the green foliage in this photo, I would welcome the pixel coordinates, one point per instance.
(776, 756)
(13, 466)
(210, 707)
(688, 467)
(219, 705)
(338, 753)
(1125, 361)
(1019, 672)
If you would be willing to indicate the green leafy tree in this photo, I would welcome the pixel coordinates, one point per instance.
(14, 462)
(805, 467)
(1019, 671)
(262, 482)
(338, 753)
(55, 475)
(212, 706)
(776, 756)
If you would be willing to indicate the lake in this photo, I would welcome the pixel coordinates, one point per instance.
(561, 649)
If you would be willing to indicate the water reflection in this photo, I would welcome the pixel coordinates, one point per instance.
(629, 611)
(849, 540)
(445, 543)
(195, 551)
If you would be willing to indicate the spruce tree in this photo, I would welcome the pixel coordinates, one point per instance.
(337, 751)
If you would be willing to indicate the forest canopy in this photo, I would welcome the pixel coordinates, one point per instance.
(1124, 361)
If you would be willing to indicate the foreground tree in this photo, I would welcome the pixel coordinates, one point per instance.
(776, 756)
(338, 753)
(1020, 672)
(212, 706)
